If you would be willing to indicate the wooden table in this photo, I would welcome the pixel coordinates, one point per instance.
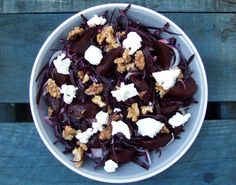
(24, 26)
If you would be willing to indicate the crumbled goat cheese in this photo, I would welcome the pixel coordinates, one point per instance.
(83, 137)
(179, 119)
(117, 110)
(69, 92)
(132, 42)
(110, 166)
(120, 127)
(149, 127)
(96, 20)
(101, 119)
(62, 64)
(166, 78)
(124, 92)
(93, 55)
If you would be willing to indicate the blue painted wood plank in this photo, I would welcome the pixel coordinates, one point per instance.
(19, 6)
(213, 34)
(1, 6)
(7, 111)
(25, 160)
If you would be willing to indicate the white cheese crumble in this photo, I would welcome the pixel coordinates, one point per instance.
(101, 119)
(149, 127)
(117, 110)
(93, 55)
(96, 20)
(120, 127)
(166, 78)
(110, 166)
(69, 92)
(83, 137)
(179, 119)
(124, 92)
(62, 64)
(132, 42)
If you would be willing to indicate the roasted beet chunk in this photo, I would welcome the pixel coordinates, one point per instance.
(183, 90)
(107, 66)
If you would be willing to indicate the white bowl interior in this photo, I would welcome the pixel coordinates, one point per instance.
(172, 152)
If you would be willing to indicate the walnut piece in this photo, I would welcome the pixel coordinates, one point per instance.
(77, 31)
(106, 133)
(107, 35)
(94, 89)
(160, 90)
(83, 146)
(98, 100)
(83, 77)
(146, 109)
(81, 74)
(50, 111)
(165, 130)
(68, 133)
(124, 62)
(139, 60)
(78, 156)
(133, 112)
(53, 89)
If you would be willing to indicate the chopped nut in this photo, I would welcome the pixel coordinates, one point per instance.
(84, 146)
(139, 60)
(50, 111)
(81, 74)
(53, 89)
(129, 66)
(146, 109)
(133, 112)
(86, 79)
(107, 35)
(68, 133)
(121, 68)
(165, 130)
(78, 154)
(94, 89)
(106, 133)
(123, 63)
(74, 33)
(98, 100)
(160, 90)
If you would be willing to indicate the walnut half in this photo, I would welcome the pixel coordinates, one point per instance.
(139, 60)
(53, 89)
(133, 112)
(68, 133)
(98, 100)
(94, 89)
(77, 31)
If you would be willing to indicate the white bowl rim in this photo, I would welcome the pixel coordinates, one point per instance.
(201, 119)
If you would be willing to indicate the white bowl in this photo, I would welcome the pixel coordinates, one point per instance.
(170, 154)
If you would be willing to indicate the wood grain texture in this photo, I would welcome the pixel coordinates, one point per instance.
(1, 6)
(227, 110)
(23, 34)
(25, 160)
(7, 111)
(19, 6)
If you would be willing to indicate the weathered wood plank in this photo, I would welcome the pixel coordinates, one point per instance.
(213, 34)
(1, 6)
(227, 110)
(19, 6)
(211, 159)
(7, 111)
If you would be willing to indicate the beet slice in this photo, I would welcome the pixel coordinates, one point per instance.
(159, 141)
(107, 66)
(149, 65)
(182, 91)
(54, 103)
(123, 157)
(81, 45)
(87, 109)
(163, 53)
(169, 108)
(60, 79)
